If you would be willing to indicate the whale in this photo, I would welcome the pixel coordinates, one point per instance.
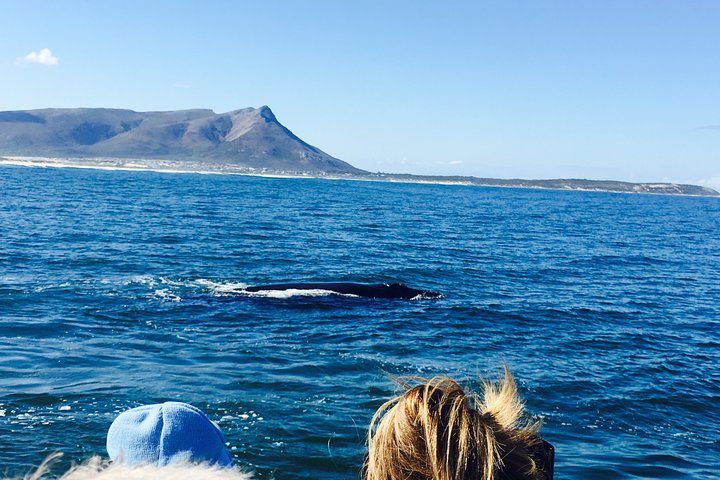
(367, 290)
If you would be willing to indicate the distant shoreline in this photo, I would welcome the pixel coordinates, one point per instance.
(185, 166)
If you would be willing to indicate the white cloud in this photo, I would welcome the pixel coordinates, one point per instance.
(43, 57)
(455, 162)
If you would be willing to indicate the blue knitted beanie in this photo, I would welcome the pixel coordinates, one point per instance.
(165, 433)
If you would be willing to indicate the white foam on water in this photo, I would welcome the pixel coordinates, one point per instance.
(423, 296)
(175, 283)
(51, 286)
(221, 287)
(166, 295)
(292, 292)
(148, 280)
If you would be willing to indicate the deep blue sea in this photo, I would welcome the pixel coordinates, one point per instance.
(119, 289)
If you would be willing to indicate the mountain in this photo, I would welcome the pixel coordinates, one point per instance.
(250, 138)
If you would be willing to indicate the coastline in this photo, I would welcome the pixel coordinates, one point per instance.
(185, 167)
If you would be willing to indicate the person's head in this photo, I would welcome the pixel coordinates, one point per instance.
(97, 469)
(435, 431)
(166, 433)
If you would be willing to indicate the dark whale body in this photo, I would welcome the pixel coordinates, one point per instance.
(377, 290)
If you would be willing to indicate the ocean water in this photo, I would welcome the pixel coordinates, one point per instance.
(120, 288)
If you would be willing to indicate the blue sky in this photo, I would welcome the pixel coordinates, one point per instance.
(625, 90)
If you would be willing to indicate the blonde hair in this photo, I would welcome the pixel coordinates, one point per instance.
(435, 431)
(97, 469)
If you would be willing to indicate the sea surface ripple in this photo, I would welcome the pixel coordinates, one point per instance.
(120, 288)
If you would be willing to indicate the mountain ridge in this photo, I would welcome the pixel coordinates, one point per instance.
(248, 137)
